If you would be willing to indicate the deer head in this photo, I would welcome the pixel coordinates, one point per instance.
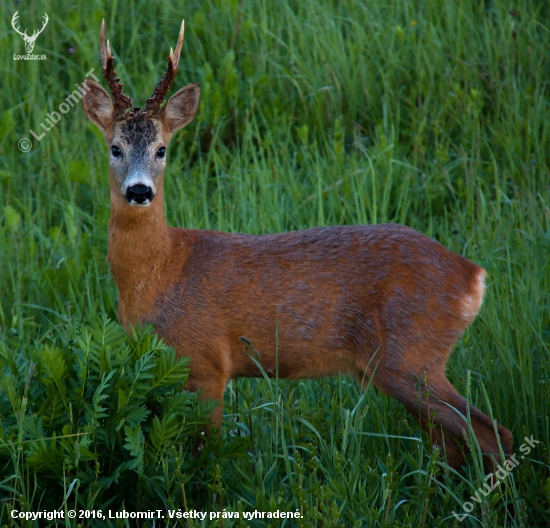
(138, 137)
(29, 41)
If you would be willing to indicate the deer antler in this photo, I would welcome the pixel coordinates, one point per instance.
(153, 103)
(37, 32)
(122, 102)
(13, 22)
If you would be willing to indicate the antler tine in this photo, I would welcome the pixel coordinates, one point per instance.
(122, 102)
(37, 32)
(153, 103)
(14, 21)
(46, 19)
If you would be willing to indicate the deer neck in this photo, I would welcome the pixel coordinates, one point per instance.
(139, 248)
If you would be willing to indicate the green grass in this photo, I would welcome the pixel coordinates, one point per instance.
(431, 113)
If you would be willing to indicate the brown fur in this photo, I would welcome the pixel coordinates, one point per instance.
(382, 302)
(316, 303)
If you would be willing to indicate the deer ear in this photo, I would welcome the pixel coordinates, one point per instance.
(181, 108)
(98, 106)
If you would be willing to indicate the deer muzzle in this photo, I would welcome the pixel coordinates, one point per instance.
(139, 195)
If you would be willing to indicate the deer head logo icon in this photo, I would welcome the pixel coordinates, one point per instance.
(29, 40)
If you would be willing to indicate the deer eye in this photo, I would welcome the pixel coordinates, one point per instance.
(116, 151)
(161, 152)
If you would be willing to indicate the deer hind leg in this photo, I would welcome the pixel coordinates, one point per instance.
(452, 449)
(439, 407)
(395, 386)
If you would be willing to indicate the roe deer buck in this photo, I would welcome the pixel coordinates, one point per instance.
(314, 303)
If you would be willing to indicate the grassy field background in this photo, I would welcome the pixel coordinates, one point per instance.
(433, 113)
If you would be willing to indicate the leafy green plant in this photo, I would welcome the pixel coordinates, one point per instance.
(99, 420)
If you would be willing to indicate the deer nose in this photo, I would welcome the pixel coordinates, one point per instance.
(139, 194)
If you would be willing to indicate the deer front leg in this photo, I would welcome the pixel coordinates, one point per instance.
(209, 375)
(210, 389)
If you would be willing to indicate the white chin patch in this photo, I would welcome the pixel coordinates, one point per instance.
(146, 203)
